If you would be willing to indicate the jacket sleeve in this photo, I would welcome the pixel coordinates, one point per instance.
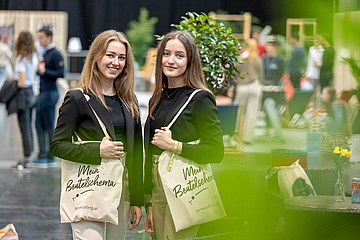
(68, 121)
(57, 68)
(211, 147)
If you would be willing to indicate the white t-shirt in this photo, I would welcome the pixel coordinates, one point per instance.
(27, 66)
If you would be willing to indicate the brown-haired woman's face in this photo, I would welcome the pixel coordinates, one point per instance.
(113, 62)
(325, 97)
(174, 59)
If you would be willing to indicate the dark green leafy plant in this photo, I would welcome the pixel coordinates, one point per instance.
(141, 35)
(355, 71)
(218, 49)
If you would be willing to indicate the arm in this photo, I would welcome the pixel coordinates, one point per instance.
(20, 68)
(67, 122)
(205, 115)
(56, 70)
(211, 147)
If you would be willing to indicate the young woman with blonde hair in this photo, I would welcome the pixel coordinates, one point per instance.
(178, 73)
(248, 89)
(108, 80)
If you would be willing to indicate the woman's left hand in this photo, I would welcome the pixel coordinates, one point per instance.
(163, 139)
(135, 211)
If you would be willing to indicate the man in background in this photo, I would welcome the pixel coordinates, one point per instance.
(296, 61)
(50, 69)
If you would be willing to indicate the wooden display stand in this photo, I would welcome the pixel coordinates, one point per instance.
(29, 20)
(301, 22)
(246, 18)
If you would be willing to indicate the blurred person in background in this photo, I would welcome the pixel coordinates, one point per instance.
(314, 62)
(326, 69)
(25, 71)
(50, 68)
(274, 65)
(248, 89)
(5, 56)
(296, 61)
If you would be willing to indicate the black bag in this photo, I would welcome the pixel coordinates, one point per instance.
(8, 91)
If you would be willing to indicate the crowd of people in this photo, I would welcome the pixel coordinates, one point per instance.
(106, 92)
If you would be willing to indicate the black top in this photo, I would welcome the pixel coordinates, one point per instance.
(76, 115)
(328, 60)
(199, 120)
(168, 100)
(117, 117)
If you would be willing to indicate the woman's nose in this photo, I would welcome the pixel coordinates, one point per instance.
(116, 61)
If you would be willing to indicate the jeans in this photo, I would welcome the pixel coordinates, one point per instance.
(25, 119)
(45, 121)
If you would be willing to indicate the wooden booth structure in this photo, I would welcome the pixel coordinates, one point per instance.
(245, 18)
(32, 21)
(303, 24)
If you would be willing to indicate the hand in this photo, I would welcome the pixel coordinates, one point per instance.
(135, 211)
(110, 149)
(41, 68)
(162, 138)
(149, 221)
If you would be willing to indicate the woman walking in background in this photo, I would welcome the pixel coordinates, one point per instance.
(178, 73)
(248, 89)
(25, 71)
(108, 82)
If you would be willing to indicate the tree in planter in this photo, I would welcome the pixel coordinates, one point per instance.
(218, 49)
(141, 34)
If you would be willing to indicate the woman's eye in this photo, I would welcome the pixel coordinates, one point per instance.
(122, 58)
(110, 55)
(180, 55)
(166, 54)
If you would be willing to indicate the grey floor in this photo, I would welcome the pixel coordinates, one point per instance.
(30, 199)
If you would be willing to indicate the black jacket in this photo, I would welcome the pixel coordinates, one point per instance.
(76, 115)
(199, 120)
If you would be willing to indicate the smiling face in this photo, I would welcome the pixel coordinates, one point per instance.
(113, 62)
(174, 63)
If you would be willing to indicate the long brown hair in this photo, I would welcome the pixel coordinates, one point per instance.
(124, 84)
(24, 46)
(193, 75)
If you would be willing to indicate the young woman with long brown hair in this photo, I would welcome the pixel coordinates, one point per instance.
(178, 73)
(108, 80)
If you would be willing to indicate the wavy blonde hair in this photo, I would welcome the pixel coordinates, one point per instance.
(193, 75)
(252, 49)
(90, 79)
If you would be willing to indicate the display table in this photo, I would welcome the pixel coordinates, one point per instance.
(320, 217)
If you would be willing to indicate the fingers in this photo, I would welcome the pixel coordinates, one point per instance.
(135, 211)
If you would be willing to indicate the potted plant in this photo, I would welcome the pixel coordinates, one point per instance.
(141, 34)
(355, 71)
(218, 49)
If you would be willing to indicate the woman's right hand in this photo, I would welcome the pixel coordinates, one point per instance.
(149, 221)
(109, 149)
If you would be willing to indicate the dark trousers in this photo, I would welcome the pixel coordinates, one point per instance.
(25, 119)
(45, 121)
(325, 79)
(295, 79)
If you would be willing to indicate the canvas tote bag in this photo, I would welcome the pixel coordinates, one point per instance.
(293, 180)
(91, 192)
(190, 188)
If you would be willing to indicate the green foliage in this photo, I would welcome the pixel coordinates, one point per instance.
(355, 71)
(218, 49)
(141, 35)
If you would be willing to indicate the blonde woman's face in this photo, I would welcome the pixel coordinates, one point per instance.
(113, 62)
